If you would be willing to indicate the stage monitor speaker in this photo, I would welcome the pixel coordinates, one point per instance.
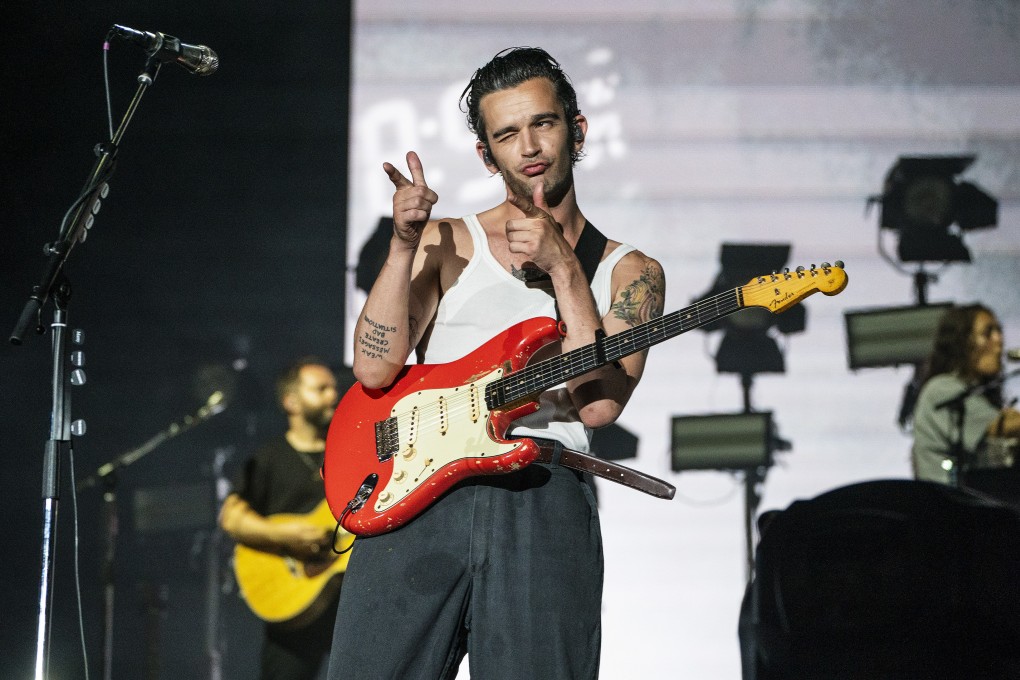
(735, 441)
(889, 579)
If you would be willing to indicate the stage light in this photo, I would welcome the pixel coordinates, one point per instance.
(923, 200)
(736, 442)
(891, 336)
(741, 442)
(722, 441)
(747, 346)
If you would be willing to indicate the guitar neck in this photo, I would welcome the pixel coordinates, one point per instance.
(551, 372)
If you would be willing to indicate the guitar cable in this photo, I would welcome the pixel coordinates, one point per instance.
(336, 532)
(353, 505)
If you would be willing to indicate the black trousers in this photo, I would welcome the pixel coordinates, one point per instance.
(507, 569)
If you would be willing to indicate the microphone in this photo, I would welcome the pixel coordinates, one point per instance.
(197, 59)
(1013, 354)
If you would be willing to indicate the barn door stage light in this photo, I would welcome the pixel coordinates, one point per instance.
(923, 200)
(747, 346)
(930, 209)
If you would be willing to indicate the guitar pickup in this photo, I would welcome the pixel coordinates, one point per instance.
(387, 439)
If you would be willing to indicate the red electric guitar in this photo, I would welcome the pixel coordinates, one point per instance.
(391, 452)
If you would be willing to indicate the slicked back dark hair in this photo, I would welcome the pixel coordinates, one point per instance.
(510, 68)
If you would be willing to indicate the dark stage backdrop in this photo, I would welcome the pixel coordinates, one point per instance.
(218, 255)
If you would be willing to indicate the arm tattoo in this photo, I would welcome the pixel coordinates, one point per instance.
(412, 331)
(643, 298)
(375, 342)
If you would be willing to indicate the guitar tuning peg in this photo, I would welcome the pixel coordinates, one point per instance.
(839, 263)
(800, 269)
(812, 266)
(786, 270)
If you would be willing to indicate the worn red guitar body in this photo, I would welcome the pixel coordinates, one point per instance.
(445, 432)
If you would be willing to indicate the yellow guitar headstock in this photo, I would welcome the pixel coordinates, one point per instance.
(777, 292)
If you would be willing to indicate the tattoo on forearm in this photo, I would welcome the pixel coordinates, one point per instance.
(643, 298)
(412, 330)
(375, 343)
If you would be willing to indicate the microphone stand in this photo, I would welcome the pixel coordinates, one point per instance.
(54, 284)
(107, 474)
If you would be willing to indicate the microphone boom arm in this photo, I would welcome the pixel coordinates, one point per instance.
(85, 207)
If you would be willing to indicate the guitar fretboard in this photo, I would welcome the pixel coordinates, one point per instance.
(551, 372)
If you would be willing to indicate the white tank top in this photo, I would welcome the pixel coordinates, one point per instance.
(486, 300)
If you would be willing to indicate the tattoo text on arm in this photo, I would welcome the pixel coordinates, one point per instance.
(375, 343)
(643, 299)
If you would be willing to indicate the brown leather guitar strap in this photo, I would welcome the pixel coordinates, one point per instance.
(555, 453)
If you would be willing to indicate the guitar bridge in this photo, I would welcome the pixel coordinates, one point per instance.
(387, 439)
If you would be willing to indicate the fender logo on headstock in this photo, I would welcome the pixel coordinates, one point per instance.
(779, 301)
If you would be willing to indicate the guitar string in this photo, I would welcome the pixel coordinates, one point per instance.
(429, 415)
(534, 377)
(579, 361)
(583, 359)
